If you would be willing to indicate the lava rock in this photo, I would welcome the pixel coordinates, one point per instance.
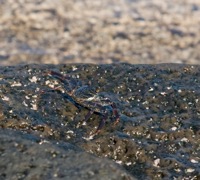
(25, 156)
(157, 136)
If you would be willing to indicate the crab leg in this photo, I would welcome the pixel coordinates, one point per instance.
(53, 73)
(101, 124)
(65, 80)
(88, 115)
(115, 112)
(66, 96)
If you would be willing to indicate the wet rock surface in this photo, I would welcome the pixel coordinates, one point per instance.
(100, 31)
(157, 136)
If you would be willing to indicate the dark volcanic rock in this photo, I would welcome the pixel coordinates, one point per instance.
(157, 136)
(25, 156)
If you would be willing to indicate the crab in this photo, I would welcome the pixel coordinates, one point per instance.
(85, 96)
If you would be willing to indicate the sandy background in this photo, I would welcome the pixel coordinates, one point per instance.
(99, 31)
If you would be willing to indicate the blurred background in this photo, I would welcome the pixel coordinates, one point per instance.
(99, 31)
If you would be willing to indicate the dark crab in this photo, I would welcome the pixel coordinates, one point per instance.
(84, 96)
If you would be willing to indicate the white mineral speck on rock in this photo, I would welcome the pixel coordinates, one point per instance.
(84, 123)
(194, 161)
(184, 139)
(34, 107)
(47, 82)
(34, 96)
(43, 141)
(129, 89)
(74, 68)
(27, 97)
(128, 163)
(5, 98)
(151, 89)
(70, 132)
(177, 170)
(189, 170)
(163, 93)
(33, 79)
(88, 138)
(174, 128)
(118, 162)
(156, 163)
(16, 84)
(24, 103)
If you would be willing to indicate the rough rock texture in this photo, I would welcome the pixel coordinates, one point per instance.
(25, 156)
(158, 136)
(100, 31)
